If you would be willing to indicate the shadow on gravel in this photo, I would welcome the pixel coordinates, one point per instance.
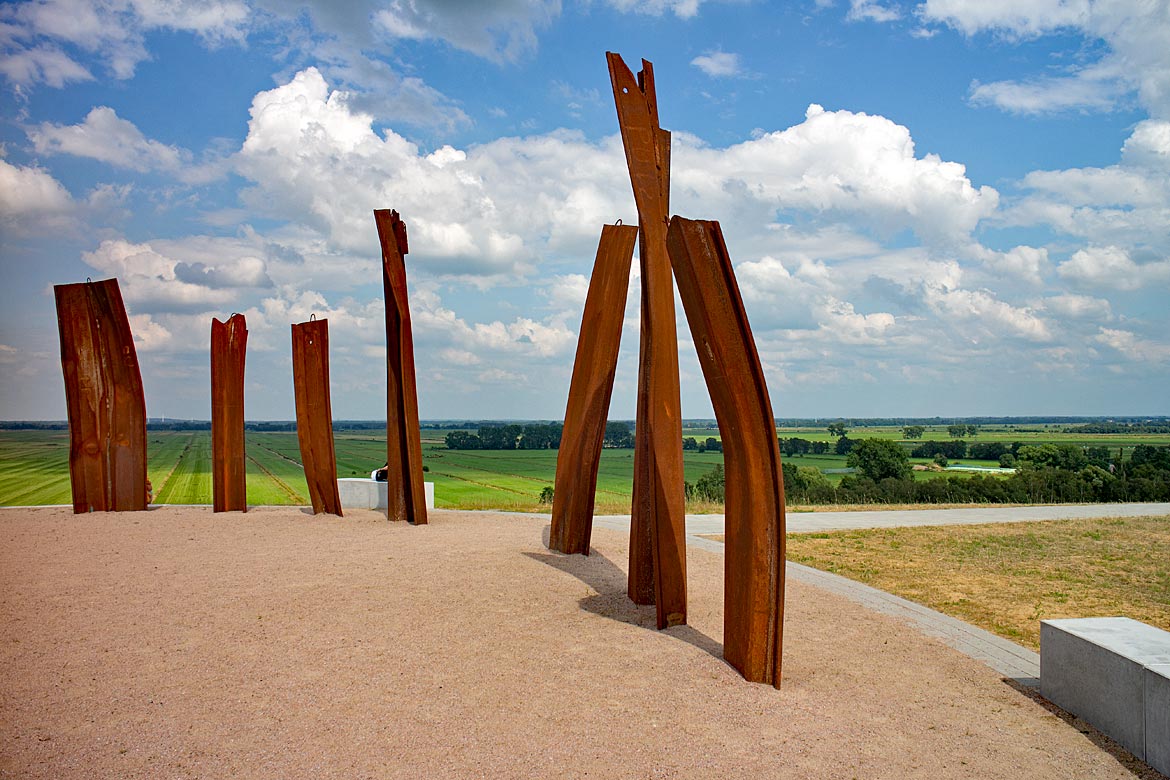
(609, 580)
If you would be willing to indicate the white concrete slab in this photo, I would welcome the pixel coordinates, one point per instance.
(1157, 691)
(370, 494)
(1096, 668)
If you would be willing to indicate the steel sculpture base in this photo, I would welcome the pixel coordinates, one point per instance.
(589, 391)
(404, 475)
(229, 486)
(658, 510)
(753, 602)
(310, 354)
(104, 398)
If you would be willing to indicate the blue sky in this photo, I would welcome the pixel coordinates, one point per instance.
(939, 208)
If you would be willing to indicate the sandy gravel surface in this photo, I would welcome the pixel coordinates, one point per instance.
(177, 643)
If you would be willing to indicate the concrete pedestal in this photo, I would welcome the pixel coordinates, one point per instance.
(369, 494)
(1115, 673)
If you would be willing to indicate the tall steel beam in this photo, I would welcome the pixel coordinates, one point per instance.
(658, 510)
(404, 475)
(310, 355)
(103, 397)
(229, 343)
(589, 391)
(753, 600)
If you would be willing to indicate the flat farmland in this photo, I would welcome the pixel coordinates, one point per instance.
(35, 470)
(34, 465)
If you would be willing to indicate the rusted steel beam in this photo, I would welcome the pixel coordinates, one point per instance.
(753, 600)
(310, 354)
(658, 511)
(404, 475)
(229, 343)
(589, 391)
(104, 399)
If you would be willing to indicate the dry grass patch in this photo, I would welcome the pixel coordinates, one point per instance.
(1008, 577)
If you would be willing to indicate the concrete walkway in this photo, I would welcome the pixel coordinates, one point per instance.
(1007, 658)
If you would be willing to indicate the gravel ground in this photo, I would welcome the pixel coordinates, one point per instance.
(178, 643)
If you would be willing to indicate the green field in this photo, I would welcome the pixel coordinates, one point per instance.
(35, 470)
(34, 465)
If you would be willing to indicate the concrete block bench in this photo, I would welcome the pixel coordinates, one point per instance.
(1113, 672)
(370, 494)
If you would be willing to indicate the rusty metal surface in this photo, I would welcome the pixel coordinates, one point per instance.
(103, 395)
(753, 619)
(310, 355)
(404, 475)
(658, 510)
(589, 391)
(229, 343)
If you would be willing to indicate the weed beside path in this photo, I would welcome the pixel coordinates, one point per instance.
(1006, 578)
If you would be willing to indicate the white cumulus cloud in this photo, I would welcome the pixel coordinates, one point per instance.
(1112, 267)
(109, 138)
(718, 64)
(1137, 60)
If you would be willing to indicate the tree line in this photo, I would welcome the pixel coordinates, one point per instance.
(512, 436)
(1045, 474)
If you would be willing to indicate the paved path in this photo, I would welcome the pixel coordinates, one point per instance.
(1007, 658)
(802, 522)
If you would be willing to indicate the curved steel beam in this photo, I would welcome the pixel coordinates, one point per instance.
(404, 475)
(589, 391)
(104, 398)
(229, 343)
(657, 528)
(753, 601)
(310, 355)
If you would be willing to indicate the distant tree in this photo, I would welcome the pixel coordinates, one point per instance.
(941, 460)
(838, 429)
(546, 495)
(819, 447)
(972, 430)
(879, 459)
(711, 486)
(690, 444)
(712, 445)
(913, 431)
(463, 440)
(990, 450)
(844, 445)
(540, 436)
(1098, 456)
(957, 431)
(795, 446)
(1067, 457)
(618, 435)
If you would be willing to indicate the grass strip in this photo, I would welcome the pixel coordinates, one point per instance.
(1008, 577)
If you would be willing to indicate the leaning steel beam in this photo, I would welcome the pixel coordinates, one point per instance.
(310, 351)
(103, 395)
(404, 480)
(589, 391)
(753, 600)
(658, 511)
(229, 342)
